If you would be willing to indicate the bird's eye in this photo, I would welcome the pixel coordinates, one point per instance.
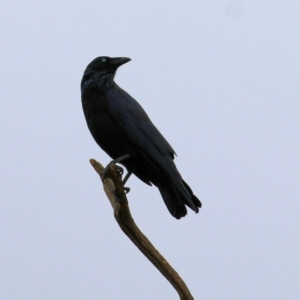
(103, 59)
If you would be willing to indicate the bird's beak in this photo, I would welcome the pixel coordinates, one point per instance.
(119, 61)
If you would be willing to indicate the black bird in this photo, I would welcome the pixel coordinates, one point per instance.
(121, 127)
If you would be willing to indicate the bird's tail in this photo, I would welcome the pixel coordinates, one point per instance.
(177, 197)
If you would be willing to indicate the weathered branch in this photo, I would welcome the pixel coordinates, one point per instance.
(114, 190)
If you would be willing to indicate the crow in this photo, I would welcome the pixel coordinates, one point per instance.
(121, 127)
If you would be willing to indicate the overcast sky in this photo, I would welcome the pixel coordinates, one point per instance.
(220, 79)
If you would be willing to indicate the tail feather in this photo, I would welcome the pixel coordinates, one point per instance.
(173, 201)
(176, 202)
(197, 203)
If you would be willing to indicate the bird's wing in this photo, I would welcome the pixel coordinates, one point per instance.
(139, 129)
(136, 124)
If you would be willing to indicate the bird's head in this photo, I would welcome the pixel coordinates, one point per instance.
(101, 71)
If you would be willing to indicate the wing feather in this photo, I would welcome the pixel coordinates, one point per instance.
(136, 124)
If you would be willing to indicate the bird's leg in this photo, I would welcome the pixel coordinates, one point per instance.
(126, 177)
(115, 161)
(126, 189)
(120, 169)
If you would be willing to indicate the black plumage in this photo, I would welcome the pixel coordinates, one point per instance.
(120, 126)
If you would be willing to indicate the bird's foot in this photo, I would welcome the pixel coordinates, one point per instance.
(105, 172)
(120, 170)
(117, 160)
(126, 190)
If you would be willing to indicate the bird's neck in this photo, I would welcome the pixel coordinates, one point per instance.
(98, 81)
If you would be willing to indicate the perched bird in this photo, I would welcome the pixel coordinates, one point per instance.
(121, 127)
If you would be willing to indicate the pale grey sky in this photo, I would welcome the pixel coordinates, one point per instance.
(220, 79)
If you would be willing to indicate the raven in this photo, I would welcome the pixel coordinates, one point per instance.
(121, 127)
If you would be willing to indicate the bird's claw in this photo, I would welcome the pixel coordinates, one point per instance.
(120, 170)
(126, 190)
(106, 170)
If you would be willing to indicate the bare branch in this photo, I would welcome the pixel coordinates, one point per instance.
(114, 190)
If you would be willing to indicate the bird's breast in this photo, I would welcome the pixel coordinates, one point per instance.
(106, 131)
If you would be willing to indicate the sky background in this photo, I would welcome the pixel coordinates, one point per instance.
(220, 79)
